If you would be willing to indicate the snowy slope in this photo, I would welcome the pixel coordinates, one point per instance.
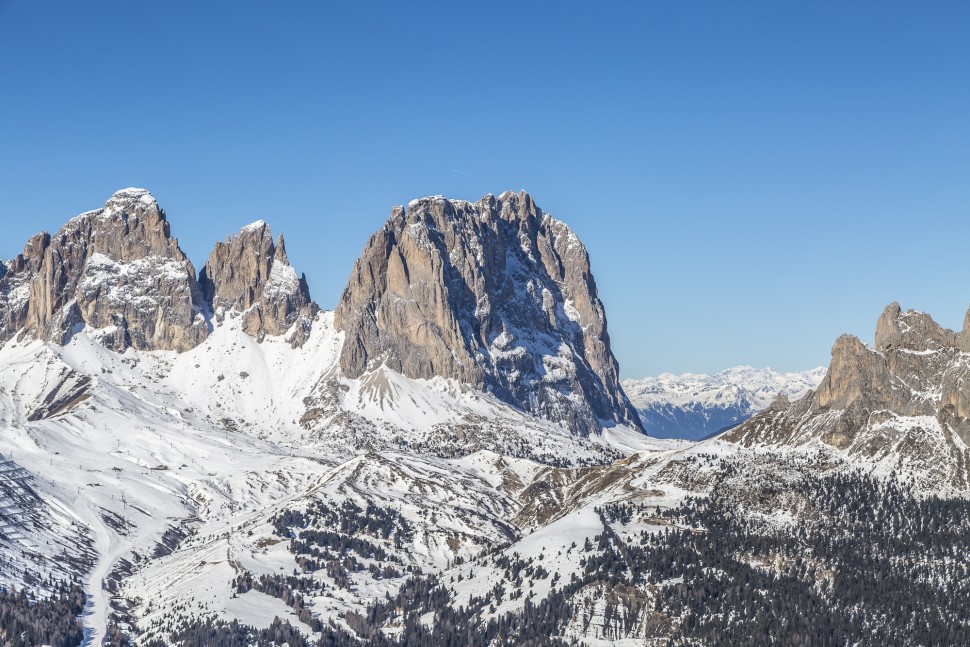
(110, 459)
(218, 482)
(695, 405)
(248, 478)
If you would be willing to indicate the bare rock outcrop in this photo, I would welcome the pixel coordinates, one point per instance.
(904, 402)
(117, 269)
(495, 294)
(15, 277)
(911, 330)
(250, 274)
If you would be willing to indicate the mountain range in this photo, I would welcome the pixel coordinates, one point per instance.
(696, 405)
(447, 458)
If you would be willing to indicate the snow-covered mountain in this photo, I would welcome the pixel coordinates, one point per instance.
(138, 409)
(696, 405)
(158, 477)
(902, 404)
(196, 457)
(496, 294)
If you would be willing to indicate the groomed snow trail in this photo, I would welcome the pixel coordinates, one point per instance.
(95, 618)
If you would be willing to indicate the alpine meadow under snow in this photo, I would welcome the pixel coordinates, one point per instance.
(448, 458)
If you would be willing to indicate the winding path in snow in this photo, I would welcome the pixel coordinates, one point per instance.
(95, 617)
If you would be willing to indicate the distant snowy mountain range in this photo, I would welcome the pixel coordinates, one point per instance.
(696, 405)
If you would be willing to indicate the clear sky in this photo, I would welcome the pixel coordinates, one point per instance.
(751, 179)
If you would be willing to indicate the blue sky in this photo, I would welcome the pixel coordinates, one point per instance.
(751, 179)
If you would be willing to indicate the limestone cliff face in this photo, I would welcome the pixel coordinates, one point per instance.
(15, 277)
(914, 331)
(117, 268)
(251, 274)
(495, 294)
(906, 400)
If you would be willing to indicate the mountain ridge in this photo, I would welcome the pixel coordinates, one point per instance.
(537, 338)
(695, 405)
(900, 404)
(248, 490)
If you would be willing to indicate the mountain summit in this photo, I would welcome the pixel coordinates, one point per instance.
(251, 274)
(118, 271)
(496, 294)
(902, 405)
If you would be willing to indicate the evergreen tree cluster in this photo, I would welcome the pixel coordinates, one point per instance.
(862, 562)
(25, 622)
(348, 518)
(842, 560)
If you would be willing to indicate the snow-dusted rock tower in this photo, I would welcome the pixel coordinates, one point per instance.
(119, 270)
(251, 274)
(495, 294)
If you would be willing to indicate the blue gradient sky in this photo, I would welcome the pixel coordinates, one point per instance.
(751, 179)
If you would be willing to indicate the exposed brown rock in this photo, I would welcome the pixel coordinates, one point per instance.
(963, 338)
(908, 398)
(117, 268)
(15, 278)
(911, 330)
(856, 372)
(250, 274)
(495, 294)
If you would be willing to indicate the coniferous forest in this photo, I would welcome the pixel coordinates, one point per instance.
(863, 563)
(25, 621)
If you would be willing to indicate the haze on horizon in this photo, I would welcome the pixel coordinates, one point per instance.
(751, 180)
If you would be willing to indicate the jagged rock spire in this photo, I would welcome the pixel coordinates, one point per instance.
(119, 270)
(250, 274)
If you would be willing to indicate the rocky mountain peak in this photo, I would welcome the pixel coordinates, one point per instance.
(131, 226)
(116, 268)
(251, 275)
(32, 255)
(281, 250)
(125, 200)
(911, 330)
(905, 401)
(119, 270)
(495, 294)
(15, 277)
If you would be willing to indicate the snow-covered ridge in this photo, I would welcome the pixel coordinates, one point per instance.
(694, 405)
